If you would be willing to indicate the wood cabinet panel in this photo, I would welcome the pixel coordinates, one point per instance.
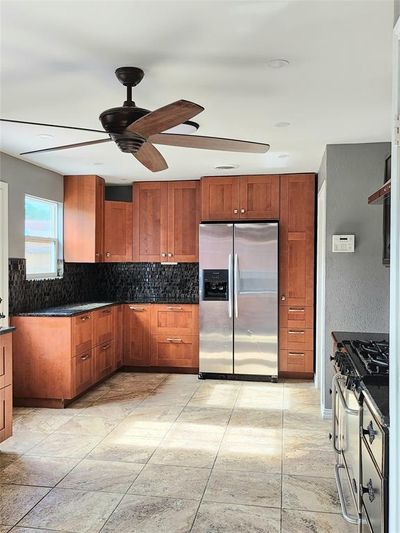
(83, 371)
(259, 197)
(83, 219)
(175, 351)
(6, 406)
(103, 360)
(118, 335)
(174, 319)
(296, 338)
(296, 361)
(183, 220)
(82, 333)
(118, 231)
(5, 360)
(150, 222)
(297, 220)
(103, 325)
(296, 316)
(220, 198)
(137, 335)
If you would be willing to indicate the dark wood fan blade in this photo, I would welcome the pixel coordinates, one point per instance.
(165, 118)
(66, 146)
(209, 143)
(151, 158)
(50, 125)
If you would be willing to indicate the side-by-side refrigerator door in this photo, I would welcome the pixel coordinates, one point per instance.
(256, 299)
(216, 305)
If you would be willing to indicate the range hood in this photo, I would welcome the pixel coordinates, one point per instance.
(381, 194)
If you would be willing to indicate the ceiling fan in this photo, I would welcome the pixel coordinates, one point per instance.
(135, 130)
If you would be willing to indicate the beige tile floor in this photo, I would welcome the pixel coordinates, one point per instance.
(150, 453)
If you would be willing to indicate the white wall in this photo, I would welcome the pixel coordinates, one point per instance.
(25, 178)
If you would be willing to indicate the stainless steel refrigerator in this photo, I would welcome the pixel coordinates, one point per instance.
(239, 300)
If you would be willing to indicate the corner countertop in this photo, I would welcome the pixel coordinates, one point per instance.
(6, 329)
(78, 309)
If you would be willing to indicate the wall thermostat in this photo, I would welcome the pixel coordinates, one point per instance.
(343, 243)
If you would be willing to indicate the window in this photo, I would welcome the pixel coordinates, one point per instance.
(43, 247)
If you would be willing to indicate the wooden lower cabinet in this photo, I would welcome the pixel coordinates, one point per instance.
(103, 325)
(161, 336)
(83, 372)
(6, 390)
(103, 360)
(118, 335)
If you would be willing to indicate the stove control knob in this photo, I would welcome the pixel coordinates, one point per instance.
(370, 431)
(332, 358)
(369, 489)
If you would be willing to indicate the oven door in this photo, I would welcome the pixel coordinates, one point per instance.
(346, 441)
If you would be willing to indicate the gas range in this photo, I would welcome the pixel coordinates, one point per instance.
(360, 436)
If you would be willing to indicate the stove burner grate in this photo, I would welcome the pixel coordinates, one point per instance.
(373, 355)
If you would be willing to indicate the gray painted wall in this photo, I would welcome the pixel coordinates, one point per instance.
(357, 284)
(25, 178)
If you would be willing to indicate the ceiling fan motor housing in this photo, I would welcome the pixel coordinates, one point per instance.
(128, 142)
(117, 119)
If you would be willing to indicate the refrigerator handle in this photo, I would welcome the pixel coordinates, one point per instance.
(236, 282)
(230, 285)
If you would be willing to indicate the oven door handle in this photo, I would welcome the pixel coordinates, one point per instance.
(350, 519)
(334, 434)
(338, 391)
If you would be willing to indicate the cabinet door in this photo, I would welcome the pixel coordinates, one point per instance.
(82, 333)
(259, 197)
(103, 360)
(118, 232)
(219, 198)
(5, 360)
(6, 404)
(175, 351)
(83, 371)
(297, 239)
(100, 189)
(83, 219)
(150, 222)
(183, 221)
(103, 324)
(137, 335)
(118, 335)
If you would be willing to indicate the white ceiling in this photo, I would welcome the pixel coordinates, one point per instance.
(58, 61)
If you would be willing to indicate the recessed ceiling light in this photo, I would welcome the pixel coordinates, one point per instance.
(228, 166)
(98, 164)
(282, 124)
(283, 156)
(45, 136)
(185, 128)
(278, 63)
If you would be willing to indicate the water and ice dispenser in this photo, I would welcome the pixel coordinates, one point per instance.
(215, 285)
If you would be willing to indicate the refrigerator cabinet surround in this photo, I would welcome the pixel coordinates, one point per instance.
(239, 300)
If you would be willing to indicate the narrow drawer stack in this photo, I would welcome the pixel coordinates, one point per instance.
(296, 338)
(5, 386)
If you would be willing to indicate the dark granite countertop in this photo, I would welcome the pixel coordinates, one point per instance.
(6, 329)
(77, 309)
(341, 336)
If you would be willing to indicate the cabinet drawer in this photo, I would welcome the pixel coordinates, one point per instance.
(176, 351)
(174, 319)
(296, 339)
(83, 371)
(103, 360)
(103, 325)
(5, 360)
(82, 333)
(296, 360)
(5, 412)
(296, 316)
(137, 335)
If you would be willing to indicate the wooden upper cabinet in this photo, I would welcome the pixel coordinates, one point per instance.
(183, 220)
(240, 197)
(220, 198)
(297, 239)
(118, 232)
(259, 197)
(83, 219)
(150, 222)
(165, 221)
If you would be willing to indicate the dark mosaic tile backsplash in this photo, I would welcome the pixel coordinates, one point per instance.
(134, 282)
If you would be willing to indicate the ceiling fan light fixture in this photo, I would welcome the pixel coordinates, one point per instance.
(278, 63)
(186, 128)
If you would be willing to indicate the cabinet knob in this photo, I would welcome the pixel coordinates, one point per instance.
(243, 210)
(170, 255)
(163, 255)
(108, 254)
(283, 297)
(236, 211)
